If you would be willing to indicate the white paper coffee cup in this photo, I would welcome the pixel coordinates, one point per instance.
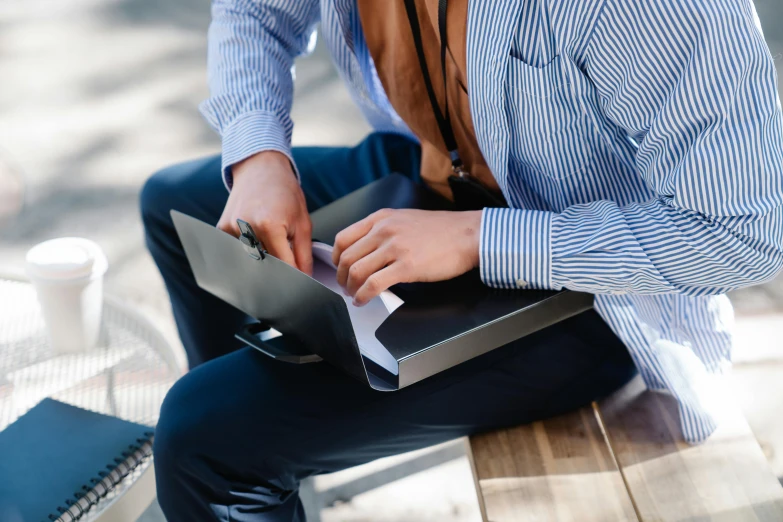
(67, 274)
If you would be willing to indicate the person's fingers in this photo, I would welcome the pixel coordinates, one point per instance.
(353, 233)
(303, 248)
(365, 267)
(348, 236)
(378, 282)
(354, 253)
(228, 225)
(275, 241)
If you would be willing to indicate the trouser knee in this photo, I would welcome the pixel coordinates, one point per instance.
(156, 201)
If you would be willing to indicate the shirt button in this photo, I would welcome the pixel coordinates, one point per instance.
(521, 283)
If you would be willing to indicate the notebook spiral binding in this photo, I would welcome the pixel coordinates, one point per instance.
(104, 482)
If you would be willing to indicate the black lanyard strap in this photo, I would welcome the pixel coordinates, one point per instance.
(442, 117)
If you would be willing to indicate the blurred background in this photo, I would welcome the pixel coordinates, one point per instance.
(98, 94)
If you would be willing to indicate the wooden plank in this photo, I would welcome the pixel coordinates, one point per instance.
(725, 479)
(554, 470)
(476, 480)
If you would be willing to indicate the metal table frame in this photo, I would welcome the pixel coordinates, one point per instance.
(135, 493)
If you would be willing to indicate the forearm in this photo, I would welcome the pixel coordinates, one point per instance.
(252, 46)
(650, 248)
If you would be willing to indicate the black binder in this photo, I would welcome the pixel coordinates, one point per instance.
(57, 461)
(439, 325)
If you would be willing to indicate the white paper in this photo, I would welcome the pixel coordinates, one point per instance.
(365, 319)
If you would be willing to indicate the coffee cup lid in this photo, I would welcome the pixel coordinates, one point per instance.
(66, 258)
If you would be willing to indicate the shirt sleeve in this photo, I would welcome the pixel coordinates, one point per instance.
(252, 46)
(694, 85)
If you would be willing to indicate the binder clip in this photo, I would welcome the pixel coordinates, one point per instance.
(250, 242)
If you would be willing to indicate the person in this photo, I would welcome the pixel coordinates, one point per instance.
(633, 151)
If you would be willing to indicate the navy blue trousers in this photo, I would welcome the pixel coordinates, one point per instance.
(240, 430)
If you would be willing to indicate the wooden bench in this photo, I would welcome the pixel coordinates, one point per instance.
(623, 459)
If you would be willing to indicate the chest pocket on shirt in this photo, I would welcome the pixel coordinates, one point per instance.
(550, 134)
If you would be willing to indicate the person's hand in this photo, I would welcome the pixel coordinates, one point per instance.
(267, 195)
(405, 246)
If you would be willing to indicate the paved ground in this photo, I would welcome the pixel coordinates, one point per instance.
(98, 94)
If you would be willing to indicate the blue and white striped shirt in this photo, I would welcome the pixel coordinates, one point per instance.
(639, 145)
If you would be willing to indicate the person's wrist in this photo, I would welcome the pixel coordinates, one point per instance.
(471, 232)
(262, 162)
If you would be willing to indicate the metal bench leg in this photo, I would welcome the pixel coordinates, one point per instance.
(314, 501)
(345, 492)
(311, 500)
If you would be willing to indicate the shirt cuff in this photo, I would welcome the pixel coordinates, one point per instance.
(250, 134)
(515, 248)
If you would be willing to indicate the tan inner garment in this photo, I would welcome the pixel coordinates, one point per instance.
(390, 42)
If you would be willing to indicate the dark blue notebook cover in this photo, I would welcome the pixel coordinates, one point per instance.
(52, 451)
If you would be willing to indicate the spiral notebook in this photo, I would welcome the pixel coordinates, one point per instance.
(57, 461)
